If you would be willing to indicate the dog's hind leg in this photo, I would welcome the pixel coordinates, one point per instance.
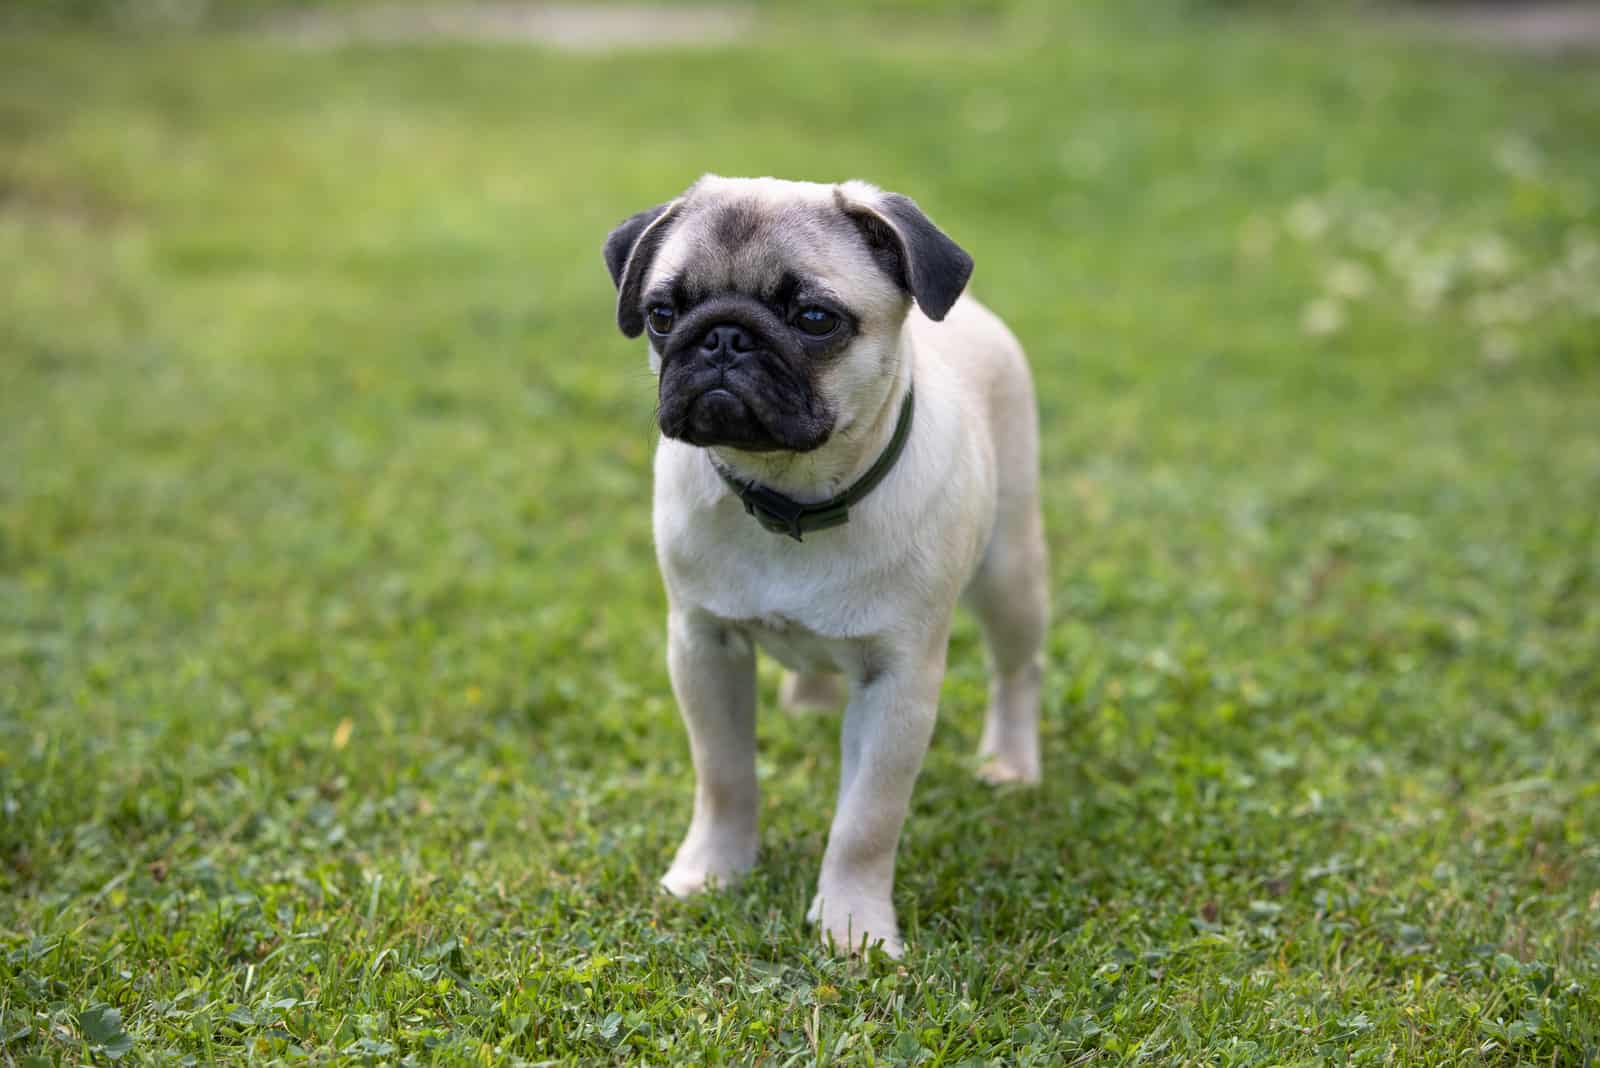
(811, 692)
(1011, 597)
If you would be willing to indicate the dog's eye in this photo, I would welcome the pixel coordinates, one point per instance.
(660, 318)
(817, 322)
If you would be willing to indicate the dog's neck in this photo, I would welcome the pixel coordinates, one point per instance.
(826, 471)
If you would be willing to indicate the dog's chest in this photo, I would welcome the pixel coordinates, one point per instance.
(838, 584)
(803, 604)
(796, 646)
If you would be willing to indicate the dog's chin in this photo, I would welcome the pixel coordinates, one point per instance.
(720, 417)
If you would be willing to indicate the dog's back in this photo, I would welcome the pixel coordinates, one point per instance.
(978, 349)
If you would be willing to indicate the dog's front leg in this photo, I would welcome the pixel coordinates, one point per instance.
(887, 725)
(713, 677)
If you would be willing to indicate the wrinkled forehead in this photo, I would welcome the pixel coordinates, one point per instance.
(750, 244)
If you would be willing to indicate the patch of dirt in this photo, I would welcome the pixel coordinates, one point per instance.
(572, 27)
(1541, 26)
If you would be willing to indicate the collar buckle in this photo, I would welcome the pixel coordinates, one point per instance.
(773, 510)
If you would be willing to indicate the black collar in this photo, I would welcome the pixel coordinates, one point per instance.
(785, 515)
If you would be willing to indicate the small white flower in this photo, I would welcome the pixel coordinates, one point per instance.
(1518, 157)
(1429, 282)
(1490, 256)
(1373, 230)
(1499, 347)
(1307, 219)
(1348, 279)
(1402, 256)
(1322, 317)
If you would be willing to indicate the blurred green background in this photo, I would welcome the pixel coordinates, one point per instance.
(334, 722)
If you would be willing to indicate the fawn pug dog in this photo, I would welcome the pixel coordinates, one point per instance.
(849, 447)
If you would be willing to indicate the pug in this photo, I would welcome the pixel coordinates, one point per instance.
(848, 447)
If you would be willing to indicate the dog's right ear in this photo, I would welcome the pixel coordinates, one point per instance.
(629, 251)
(906, 243)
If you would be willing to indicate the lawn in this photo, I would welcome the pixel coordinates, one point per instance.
(334, 719)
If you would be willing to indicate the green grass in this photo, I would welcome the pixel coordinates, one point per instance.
(334, 722)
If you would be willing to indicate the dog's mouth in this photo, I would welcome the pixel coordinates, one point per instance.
(719, 416)
(716, 406)
(755, 403)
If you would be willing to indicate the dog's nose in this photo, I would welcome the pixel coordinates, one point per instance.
(725, 341)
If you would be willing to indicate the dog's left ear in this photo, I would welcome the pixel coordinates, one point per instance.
(629, 251)
(908, 246)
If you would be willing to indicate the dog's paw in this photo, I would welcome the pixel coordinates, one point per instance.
(821, 692)
(999, 769)
(854, 925)
(699, 868)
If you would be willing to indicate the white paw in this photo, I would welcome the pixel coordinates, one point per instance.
(848, 925)
(698, 868)
(998, 769)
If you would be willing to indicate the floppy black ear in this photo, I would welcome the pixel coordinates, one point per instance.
(914, 252)
(629, 251)
(620, 242)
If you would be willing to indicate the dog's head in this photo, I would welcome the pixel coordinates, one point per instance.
(773, 308)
